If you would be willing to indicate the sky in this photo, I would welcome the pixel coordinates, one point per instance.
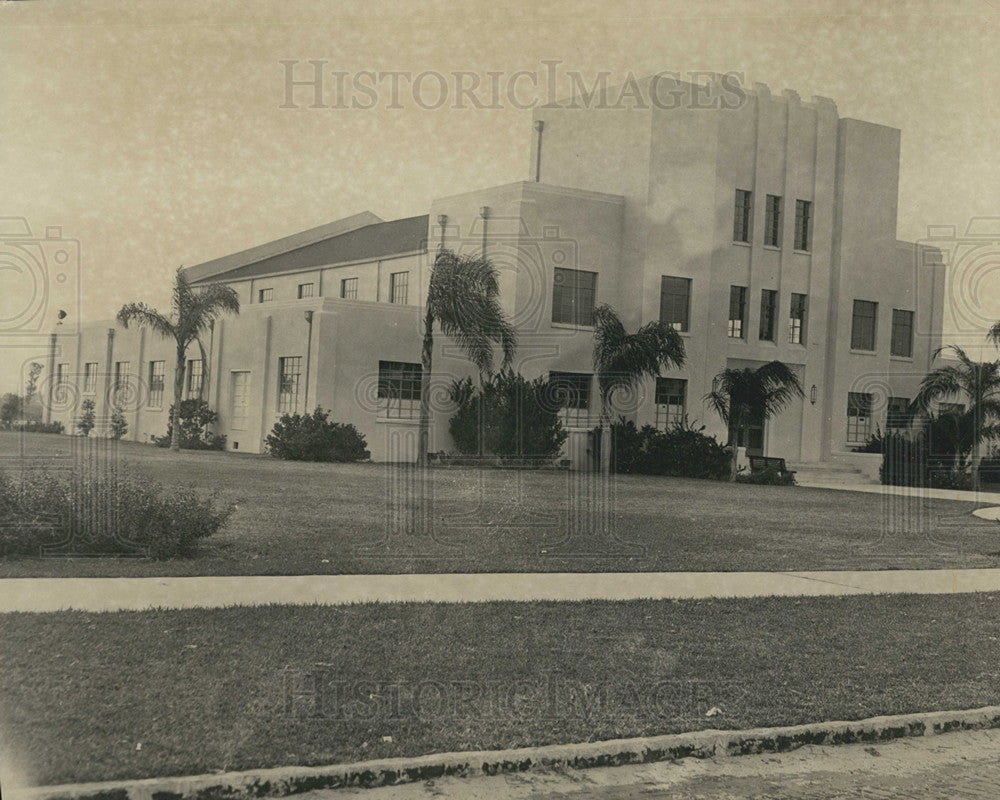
(154, 134)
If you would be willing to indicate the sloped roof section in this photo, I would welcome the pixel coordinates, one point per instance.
(363, 236)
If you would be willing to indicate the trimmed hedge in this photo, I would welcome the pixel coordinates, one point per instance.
(312, 437)
(682, 451)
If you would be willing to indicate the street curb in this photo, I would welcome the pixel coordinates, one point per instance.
(284, 781)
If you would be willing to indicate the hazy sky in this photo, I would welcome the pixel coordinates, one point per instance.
(154, 135)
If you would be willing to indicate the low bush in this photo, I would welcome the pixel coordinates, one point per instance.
(909, 461)
(40, 427)
(508, 417)
(195, 417)
(312, 437)
(682, 451)
(102, 513)
(767, 477)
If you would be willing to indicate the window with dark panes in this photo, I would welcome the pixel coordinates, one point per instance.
(574, 294)
(675, 302)
(863, 325)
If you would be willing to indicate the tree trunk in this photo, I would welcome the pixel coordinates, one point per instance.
(604, 426)
(426, 356)
(734, 441)
(977, 457)
(175, 417)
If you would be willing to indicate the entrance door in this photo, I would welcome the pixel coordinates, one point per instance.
(753, 439)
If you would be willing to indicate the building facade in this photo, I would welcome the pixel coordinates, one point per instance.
(760, 230)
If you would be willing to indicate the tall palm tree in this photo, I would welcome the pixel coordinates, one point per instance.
(978, 382)
(622, 359)
(742, 397)
(463, 300)
(193, 312)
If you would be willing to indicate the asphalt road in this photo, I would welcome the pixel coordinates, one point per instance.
(949, 766)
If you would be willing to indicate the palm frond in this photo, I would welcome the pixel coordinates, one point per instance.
(143, 315)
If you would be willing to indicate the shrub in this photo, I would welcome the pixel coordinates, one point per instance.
(86, 422)
(33, 426)
(874, 444)
(507, 416)
(104, 513)
(909, 461)
(683, 450)
(312, 437)
(767, 477)
(195, 417)
(119, 425)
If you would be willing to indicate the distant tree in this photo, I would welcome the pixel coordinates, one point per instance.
(742, 397)
(86, 422)
(194, 311)
(31, 382)
(10, 409)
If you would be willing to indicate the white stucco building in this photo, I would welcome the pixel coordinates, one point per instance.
(760, 230)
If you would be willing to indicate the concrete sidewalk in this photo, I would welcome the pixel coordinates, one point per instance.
(115, 594)
(908, 491)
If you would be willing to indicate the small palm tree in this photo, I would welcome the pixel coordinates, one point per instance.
(193, 312)
(742, 397)
(978, 382)
(463, 300)
(622, 359)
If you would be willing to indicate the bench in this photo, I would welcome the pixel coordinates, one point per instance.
(764, 463)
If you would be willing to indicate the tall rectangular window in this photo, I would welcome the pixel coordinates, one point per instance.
(349, 288)
(863, 325)
(737, 311)
(195, 378)
(573, 392)
(399, 384)
(62, 374)
(574, 293)
(265, 295)
(742, 216)
(797, 319)
(90, 377)
(399, 283)
(902, 333)
(859, 417)
(289, 379)
(768, 314)
(119, 384)
(156, 373)
(671, 397)
(239, 400)
(803, 224)
(675, 302)
(305, 290)
(772, 221)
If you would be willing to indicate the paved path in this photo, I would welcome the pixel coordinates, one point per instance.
(113, 594)
(952, 765)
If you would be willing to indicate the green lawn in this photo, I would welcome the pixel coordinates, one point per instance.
(300, 518)
(223, 689)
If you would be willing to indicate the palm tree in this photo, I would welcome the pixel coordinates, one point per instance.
(744, 396)
(193, 312)
(978, 382)
(463, 300)
(622, 359)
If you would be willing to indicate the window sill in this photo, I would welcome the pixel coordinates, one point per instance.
(774, 247)
(904, 359)
(864, 352)
(736, 340)
(741, 244)
(802, 252)
(571, 326)
(396, 421)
